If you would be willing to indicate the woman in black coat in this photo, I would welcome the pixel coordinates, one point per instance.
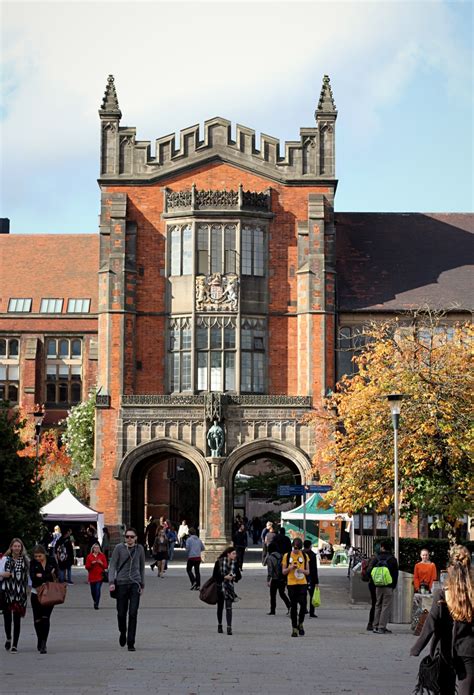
(42, 569)
(226, 573)
(449, 627)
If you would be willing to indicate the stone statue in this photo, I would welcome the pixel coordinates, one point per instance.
(215, 439)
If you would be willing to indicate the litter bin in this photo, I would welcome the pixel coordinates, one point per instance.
(403, 599)
(359, 590)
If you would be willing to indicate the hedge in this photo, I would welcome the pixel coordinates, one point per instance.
(410, 549)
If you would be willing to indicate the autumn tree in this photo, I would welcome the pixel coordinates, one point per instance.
(20, 487)
(430, 364)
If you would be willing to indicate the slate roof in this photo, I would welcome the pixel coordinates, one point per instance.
(401, 261)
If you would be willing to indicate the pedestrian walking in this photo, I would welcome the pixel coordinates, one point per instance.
(296, 570)
(42, 569)
(160, 552)
(54, 538)
(127, 579)
(313, 577)
(183, 533)
(194, 548)
(15, 592)
(226, 573)
(449, 627)
(150, 533)
(172, 537)
(268, 535)
(96, 566)
(64, 552)
(256, 529)
(384, 574)
(240, 544)
(275, 579)
(282, 542)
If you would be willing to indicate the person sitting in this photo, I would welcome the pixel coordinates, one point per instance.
(425, 572)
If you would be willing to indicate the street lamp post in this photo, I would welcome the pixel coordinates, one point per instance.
(38, 417)
(394, 401)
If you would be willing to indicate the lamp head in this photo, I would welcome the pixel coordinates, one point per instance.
(395, 402)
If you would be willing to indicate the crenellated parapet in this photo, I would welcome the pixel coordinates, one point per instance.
(124, 158)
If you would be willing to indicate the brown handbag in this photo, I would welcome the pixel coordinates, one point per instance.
(51, 593)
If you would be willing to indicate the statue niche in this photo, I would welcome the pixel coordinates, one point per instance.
(215, 440)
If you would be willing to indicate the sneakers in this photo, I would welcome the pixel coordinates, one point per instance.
(382, 631)
(271, 613)
(13, 650)
(131, 648)
(192, 587)
(294, 632)
(301, 629)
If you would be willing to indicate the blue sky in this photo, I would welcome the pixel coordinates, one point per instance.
(401, 73)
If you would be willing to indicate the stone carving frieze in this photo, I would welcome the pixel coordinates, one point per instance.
(217, 292)
(152, 399)
(214, 404)
(255, 201)
(194, 199)
(178, 199)
(277, 401)
(216, 199)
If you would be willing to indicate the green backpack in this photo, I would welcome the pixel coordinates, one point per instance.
(381, 574)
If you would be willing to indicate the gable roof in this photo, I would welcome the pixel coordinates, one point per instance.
(401, 261)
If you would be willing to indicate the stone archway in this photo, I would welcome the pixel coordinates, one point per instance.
(145, 455)
(259, 448)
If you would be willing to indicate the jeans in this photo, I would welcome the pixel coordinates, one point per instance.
(220, 609)
(95, 592)
(8, 618)
(240, 555)
(171, 552)
(128, 601)
(298, 594)
(311, 588)
(373, 598)
(64, 575)
(41, 617)
(277, 585)
(196, 577)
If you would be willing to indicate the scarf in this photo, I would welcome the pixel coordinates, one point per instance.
(226, 568)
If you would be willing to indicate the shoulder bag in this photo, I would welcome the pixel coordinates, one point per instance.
(113, 592)
(51, 593)
(208, 592)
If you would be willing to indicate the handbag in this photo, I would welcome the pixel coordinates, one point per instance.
(208, 592)
(316, 598)
(51, 593)
(113, 592)
(105, 576)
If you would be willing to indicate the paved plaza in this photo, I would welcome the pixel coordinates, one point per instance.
(179, 651)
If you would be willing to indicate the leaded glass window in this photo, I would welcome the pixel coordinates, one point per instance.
(180, 341)
(216, 343)
(216, 248)
(181, 249)
(253, 250)
(9, 369)
(252, 343)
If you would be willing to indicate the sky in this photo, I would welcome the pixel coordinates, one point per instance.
(401, 74)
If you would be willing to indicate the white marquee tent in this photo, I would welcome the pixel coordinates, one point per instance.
(66, 507)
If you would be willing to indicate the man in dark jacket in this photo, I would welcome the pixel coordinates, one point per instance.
(313, 578)
(384, 593)
(64, 551)
(282, 542)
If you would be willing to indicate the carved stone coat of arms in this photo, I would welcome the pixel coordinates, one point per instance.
(217, 292)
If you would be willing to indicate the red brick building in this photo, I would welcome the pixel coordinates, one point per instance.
(225, 280)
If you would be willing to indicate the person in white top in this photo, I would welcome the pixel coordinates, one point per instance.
(183, 533)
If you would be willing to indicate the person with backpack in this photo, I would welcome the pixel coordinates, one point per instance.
(295, 568)
(276, 582)
(64, 551)
(384, 575)
(365, 576)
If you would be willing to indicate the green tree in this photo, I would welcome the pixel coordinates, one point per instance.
(20, 485)
(431, 364)
(79, 441)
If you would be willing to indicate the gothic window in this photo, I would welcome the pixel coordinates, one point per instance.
(216, 345)
(180, 341)
(216, 248)
(63, 371)
(351, 340)
(181, 249)
(9, 369)
(252, 343)
(253, 250)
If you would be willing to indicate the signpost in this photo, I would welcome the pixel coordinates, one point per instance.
(289, 490)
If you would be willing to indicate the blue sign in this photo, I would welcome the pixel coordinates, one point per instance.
(289, 490)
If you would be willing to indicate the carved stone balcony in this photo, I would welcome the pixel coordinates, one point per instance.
(194, 202)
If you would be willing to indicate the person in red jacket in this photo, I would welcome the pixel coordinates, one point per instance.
(425, 572)
(96, 564)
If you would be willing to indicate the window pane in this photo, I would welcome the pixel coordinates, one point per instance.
(216, 371)
(51, 372)
(230, 249)
(175, 362)
(12, 393)
(246, 251)
(187, 250)
(13, 348)
(174, 339)
(19, 305)
(75, 393)
(202, 371)
(3, 348)
(246, 339)
(258, 252)
(3, 372)
(258, 372)
(246, 372)
(51, 393)
(258, 343)
(76, 348)
(229, 371)
(186, 338)
(76, 373)
(78, 306)
(64, 348)
(201, 337)
(229, 337)
(186, 371)
(175, 251)
(62, 393)
(367, 521)
(63, 372)
(13, 372)
(202, 246)
(216, 337)
(216, 249)
(51, 306)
